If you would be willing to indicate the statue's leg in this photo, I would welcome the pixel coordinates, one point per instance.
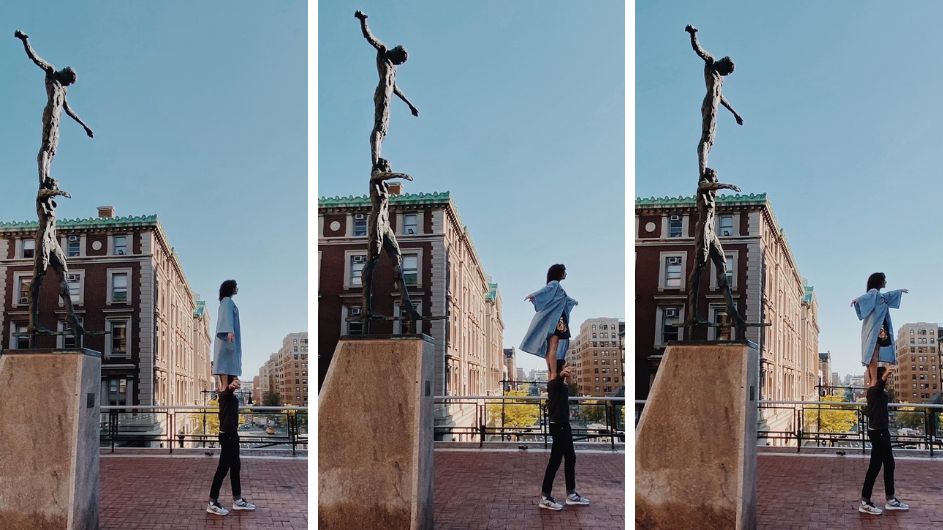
(720, 263)
(393, 251)
(381, 121)
(367, 274)
(59, 265)
(44, 161)
(694, 283)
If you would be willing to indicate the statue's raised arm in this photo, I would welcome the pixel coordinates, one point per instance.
(697, 47)
(48, 68)
(366, 32)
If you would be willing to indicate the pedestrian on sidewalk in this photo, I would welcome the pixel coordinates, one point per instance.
(549, 333)
(876, 411)
(877, 334)
(558, 410)
(229, 447)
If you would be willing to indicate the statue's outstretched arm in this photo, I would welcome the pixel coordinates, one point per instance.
(47, 193)
(366, 32)
(724, 102)
(32, 55)
(389, 175)
(697, 47)
(402, 96)
(715, 186)
(74, 116)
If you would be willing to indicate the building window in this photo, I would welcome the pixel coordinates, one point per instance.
(360, 225)
(670, 318)
(673, 272)
(726, 225)
(674, 226)
(118, 339)
(29, 248)
(411, 270)
(74, 246)
(121, 245)
(352, 327)
(119, 288)
(356, 269)
(118, 391)
(409, 224)
(24, 283)
(68, 341)
(19, 340)
(74, 280)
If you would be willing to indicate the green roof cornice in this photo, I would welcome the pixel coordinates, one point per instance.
(90, 223)
(406, 199)
(756, 199)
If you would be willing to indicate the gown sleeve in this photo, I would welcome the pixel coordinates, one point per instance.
(545, 295)
(893, 298)
(866, 304)
(224, 324)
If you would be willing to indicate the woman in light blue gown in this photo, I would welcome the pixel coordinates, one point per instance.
(549, 333)
(227, 344)
(873, 309)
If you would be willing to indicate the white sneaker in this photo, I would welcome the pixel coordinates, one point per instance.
(216, 508)
(895, 504)
(549, 504)
(574, 498)
(242, 504)
(869, 507)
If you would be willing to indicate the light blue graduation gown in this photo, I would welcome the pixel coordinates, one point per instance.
(871, 309)
(549, 302)
(227, 356)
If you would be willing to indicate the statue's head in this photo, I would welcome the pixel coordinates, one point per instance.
(66, 76)
(397, 55)
(709, 175)
(383, 165)
(50, 183)
(724, 66)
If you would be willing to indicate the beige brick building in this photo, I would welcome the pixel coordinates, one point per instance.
(917, 377)
(286, 372)
(595, 354)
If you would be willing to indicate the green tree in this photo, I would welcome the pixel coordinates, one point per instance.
(831, 418)
(272, 399)
(909, 417)
(574, 389)
(593, 411)
(515, 412)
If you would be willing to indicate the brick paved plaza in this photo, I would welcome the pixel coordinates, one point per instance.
(821, 491)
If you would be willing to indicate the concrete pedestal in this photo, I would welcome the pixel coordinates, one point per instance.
(49, 421)
(695, 444)
(375, 434)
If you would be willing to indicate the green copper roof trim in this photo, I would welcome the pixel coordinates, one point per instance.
(91, 222)
(404, 199)
(751, 198)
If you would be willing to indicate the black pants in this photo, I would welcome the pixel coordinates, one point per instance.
(228, 462)
(880, 454)
(561, 449)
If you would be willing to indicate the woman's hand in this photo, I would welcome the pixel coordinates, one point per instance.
(904, 291)
(529, 298)
(854, 302)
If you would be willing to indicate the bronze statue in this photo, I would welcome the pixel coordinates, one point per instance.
(48, 252)
(380, 234)
(387, 60)
(708, 248)
(714, 71)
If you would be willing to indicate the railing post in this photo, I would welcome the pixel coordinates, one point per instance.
(112, 427)
(171, 428)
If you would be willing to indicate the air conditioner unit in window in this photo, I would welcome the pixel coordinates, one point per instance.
(675, 217)
(354, 311)
(74, 239)
(671, 313)
(73, 278)
(674, 261)
(360, 259)
(360, 217)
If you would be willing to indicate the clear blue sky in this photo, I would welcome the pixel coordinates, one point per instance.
(522, 119)
(199, 113)
(841, 104)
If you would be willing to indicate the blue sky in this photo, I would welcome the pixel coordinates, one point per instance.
(199, 114)
(841, 108)
(522, 119)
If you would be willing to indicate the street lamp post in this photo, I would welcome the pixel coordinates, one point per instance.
(205, 392)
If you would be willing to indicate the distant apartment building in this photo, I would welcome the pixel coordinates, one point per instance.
(510, 366)
(286, 372)
(917, 376)
(124, 278)
(764, 279)
(445, 278)
(596, 355)
(825, 373)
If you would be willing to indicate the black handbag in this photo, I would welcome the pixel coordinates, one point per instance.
(884, 336)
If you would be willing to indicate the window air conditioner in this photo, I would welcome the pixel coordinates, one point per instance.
(674, 261)
(675, 217)
(360, 217)
(360, 259)
(670, 313)
(74, 239)
(354, 311)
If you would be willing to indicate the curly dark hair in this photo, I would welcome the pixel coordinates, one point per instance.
(226, 289)
(555, 272)
(876, 281)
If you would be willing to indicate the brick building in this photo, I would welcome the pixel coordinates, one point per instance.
(286, 372)
(917, 377)
(595, 354)
(445, 279)
(124, 278)
(764, 280)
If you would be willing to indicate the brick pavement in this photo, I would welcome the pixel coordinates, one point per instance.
(497, 490)
(170, 492)
(820, 492)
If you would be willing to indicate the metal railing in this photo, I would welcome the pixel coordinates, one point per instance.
(185, 426)
(842, 424)
(503, 419)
